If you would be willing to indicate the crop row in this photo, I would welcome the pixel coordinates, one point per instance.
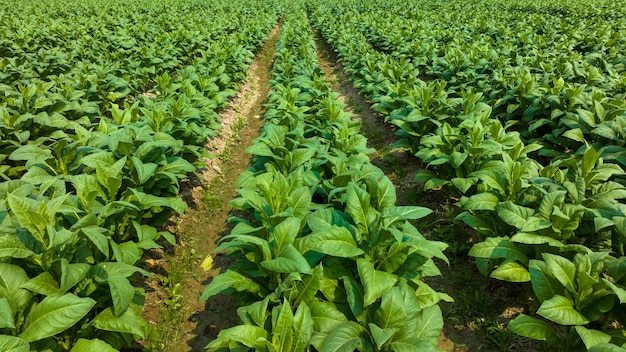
(325, 260)
(559, 227)
(85, 192)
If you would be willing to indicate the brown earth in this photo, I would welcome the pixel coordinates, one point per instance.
(172, 302)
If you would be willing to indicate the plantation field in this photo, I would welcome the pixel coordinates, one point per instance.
(415, 157)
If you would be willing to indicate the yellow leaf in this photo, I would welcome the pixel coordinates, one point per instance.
(207, 263)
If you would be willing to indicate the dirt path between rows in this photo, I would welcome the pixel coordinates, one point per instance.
(172, 303)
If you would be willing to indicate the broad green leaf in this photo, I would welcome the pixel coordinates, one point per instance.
(122, 293)
(592, 337)
(533, 328)
(12, 277)
(11, 247)
(247, 335)
(618, 291)
(385, 194)
(326, 317)
(302, 328)
(289, 260)
(532, 238)
(346, 337)
(357, 206)
(334, 240)
(498, 247)
(375, 282)
(300, 201)
(127, 252)
(43, 284)
(561, 311)
(514, 214)
(429, 324)
(31, 153)
(309, 286)
(380, 336)
(96, 235)
(53, 315)
(354, 295)
(511, 271)
(229, 279)
(6, 314)
(544, 285)
(282, 331)
(464, 183)
(84, 345)
(481, 201)
(606, 347)
(562, 269)
(284, 234)
(129, 322)
(13, 344)
(394, 214)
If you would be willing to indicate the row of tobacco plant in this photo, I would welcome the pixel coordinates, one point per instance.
(325, 260)
(87, 183)
(556, 224)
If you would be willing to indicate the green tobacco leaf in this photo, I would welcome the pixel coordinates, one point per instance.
(229, 279)
(284, 234)
(429, 325)
(302, 328)
(354, 295)
(247, 335)
(561, 311)
(380, 336)
(13, 344)
(6, 314)
(289, 260)
(357, 206)
(122, 293)
(300, 201)
(326, 317)
(464, 183)
(129, 322)
(385, 194)
(562, 269)
(12, 277)
(618, 291)
(309, 286)
(282, 331)
(532, 238)
(592, 337)
(395, 214)
(511, 271)
(498, 247)
(481, 201)
(53, 315)
(96, 235)
(335, 241)
(606, 347)
(12, 247)
(346, 337)
(544, 285)
(514, 214)
(535, 329)
(43, 284)
(31, 153)
(84, 345)
(375, 282)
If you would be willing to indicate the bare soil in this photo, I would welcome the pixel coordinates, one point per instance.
(172, 302)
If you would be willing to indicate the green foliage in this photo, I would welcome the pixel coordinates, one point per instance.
(325, 259)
